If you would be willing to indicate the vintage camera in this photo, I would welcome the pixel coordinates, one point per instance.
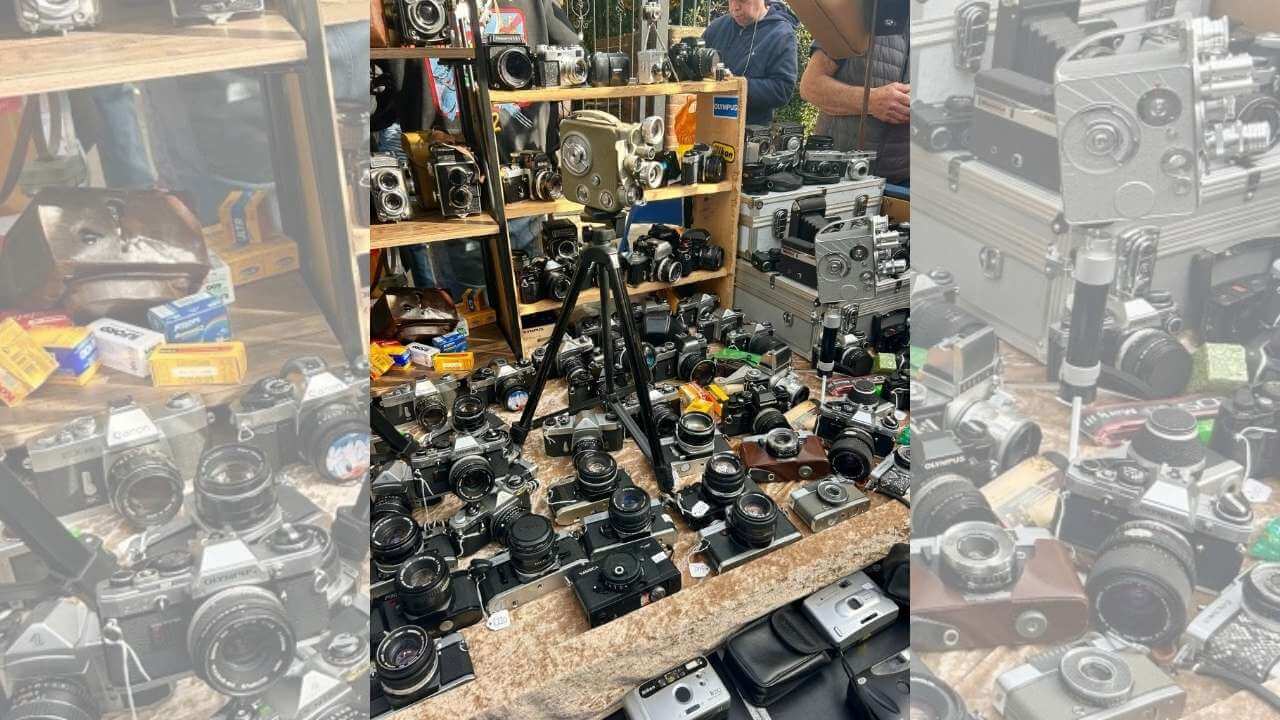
(630, 517)
(696, 311)
(853, 352)
(424, 402)
(760, 339)
(824, 503)
(692, 59)
(980, 585)
(510, 62)
(1164, 475)
(388, 491)
(753, 526)
(757, 142)
(566, 436)
(391, 187)
(724, 479)
(654, 260)
(536, 561)
(692, 690)
(892, 477)
(543, 278)
(515, 183)
(430, 595)
(862, 408)
(419, 22)
(503, 383)
(850, 610)
(664, 399)
(651, 60)
(596, 477)
(608, 68)
(487, 518)
(410, 665)
(944, 499)
(545, 182)
(881, 691)
(1246, 428)
(784, 455)
(571, 361)
(560, 66)
(456, 180)
(560, 240)
(41, 16)
(607, 164)
(845, 260)
(697, 252)
(235, 491)
(758, 408)
(625, 579)
(692, 364)
(1238, 630)
(694, 441)
(393, 540)
(138, 461)
(703, 163)
(825, 167)
(944, 126)
(213, 11)
(1092, 678)
(1236, 309)
(466, 457)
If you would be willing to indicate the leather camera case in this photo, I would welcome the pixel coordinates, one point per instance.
(773, 655)
(378, 35)
(792, 469)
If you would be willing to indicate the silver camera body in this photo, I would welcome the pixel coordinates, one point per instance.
(391, 187)
(850, 610)
(1240, 629)
(607, 164)
(57, 16)
(856, 261)
(571, 61)
(91, 461)
(692, 691)
(1091, 679)
(824, 503)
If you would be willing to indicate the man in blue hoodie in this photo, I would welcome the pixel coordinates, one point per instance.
(757, 40)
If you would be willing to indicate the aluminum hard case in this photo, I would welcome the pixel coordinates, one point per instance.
(763, 219)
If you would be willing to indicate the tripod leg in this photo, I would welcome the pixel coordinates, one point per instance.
(581, 277)
(606, 342)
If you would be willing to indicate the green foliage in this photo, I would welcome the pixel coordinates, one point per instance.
(797, 110)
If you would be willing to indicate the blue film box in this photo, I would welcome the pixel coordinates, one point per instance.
(194, 318)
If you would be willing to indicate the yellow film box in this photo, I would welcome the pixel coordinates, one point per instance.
(379, 361)
(454, 362)
(260, 260)
(74, 348)
(24, 365)
(218, 363)
(245, 217)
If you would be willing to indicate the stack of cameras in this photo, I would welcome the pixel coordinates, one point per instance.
(38, 17)
(440, 177)
(549, 275)
(665, 254)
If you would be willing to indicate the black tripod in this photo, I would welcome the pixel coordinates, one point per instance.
(599, 260)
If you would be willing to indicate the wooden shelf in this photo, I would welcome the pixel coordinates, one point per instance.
(419, 232)
(588, 92)
(136, 43)
(410, 53)
(593, 295)
(527, 208)
(340, 12)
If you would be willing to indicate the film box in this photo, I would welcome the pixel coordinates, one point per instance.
(194, 318)
(24, 365)
(39, 319)
(218, 282)
(75, 350)
(245, 218)
(124, 347)
(217, 363)
(454, 362)
(260, 260)
(379, 361)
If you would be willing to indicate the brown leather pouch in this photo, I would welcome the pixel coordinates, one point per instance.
(407, 314)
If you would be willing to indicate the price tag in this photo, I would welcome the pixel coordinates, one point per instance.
(699, 509)
(1255, 491)
(500, 620)
(699, 570)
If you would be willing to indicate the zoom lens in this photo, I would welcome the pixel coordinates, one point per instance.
(58, 698)
(145, 488)
(393, 539)
(408, 664)
(782, 443)
(752, 519)
(335, 439)
(769, 419)
(597, 474)
(946, 501)
(629, 513)
(1156, 357)
(852, 455)
(471, 478)
(532, 541)
(423, 585)
(1140, 588)
(695, 432)
(240, 640)
(723, 479)
(234, 488)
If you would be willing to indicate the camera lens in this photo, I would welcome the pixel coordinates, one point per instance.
(241, 640)
(388, 181)
(1140, 587)
(145, 488)
(460, 196)
(978, 556)
(863, 392)
(387, 505)
(946, 501)
(468, 414)
(832, 492)
(931, 699)
(665, 419)
(699, 369)
(769, 419)
(1261, 592)
(408, 662)
(851, 455)
(431, 413)
(856, 360)
(695, 432)
(513, 392)
(54, 698)
(1096, 676)
(629, 513)
(336, 441)
(1169, 437)
(393, 539)
(782, 443)
(515, 69)
(1156, 357)
(471, 478)
(620, 570)
(752, 519)
(597, 474)
(574, 371)
(668, 270)
(532, 542)
(234, 488)
(427, 16)
(423, 585)
(723, 478)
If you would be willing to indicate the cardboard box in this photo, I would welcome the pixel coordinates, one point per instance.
(24, 365)
(74, 349)
(124, 347)
(221, 363)
(259, 261)
(39, 319)
(218, 282)
(194, 318)
(454, 362)
(245, 218)
(1257, 15)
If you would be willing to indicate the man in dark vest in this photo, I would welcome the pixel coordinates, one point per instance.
(836, 88)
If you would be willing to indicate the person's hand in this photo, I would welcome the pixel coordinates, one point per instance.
(891, 103)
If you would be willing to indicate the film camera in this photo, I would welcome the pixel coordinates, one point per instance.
(135, 460)
(759, 407)
(467, 456)
(539, 278)
(607, 163)
(430, 595)
(724, 479)
(1165, 476)
(486, 517)
(43, 16)
(654, 257)
(825, 503)
(692, 59)
(394, 539)
(391, 187)
(784, 455)
(850, 610)
(683, 357)
(944, 126)
(630, 517)
(787, 136)
(608, 68)
(944, 493)
(844, 260)
(510, 62)
(419, 22)
(825, 167)
(310, 412)
(692, 690)
(543, 179)
(1092, 678)
(757, 143)
(410, 665)
(455, 180)
(624, 579)
(980, 585)
(560, 240)
(536, 562)
(1245, 429)
(503, 383)
(596, 477)
(861, 409)
(703, 163)
(760, 339)
(561, 66)
(694, 441)
(753, 526)
(425, 402)
(1237, 631)
(566, 436)
(213, 11)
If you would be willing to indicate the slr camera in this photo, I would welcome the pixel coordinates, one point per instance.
(683, 357)
(691, 690)
(1246, 428)
(608, 68)
(391, 187)
(432, 596)
(850, 610)
(760, 339)
(425, 402)
(540, 278)
(487, 518)
(515, 183)
(694, 441)
(543, 179)
(455, 179)
(212, 11)
(979, 585)
(596, 477)
(758, 408)
(560, 66)
(753, 526)
(503, 383)
(312, 413)
(606, 163)
(419, 22)
(410, 665)
(467, 462)
(625, 579)
(1238, 630)
(703, 163)
(943, 498)
(692, 59)
(135, 460)
(825, 503)
(510, 62)
(570, 362)
(43, 16)
(536, 562)
(654, 258)
(784, 455)
(724, 479)
(394, 539)
(862, 408)
(1089, 679)
(944, 126)
(697, 252)
(630, 517)
(566, 436)
(1236, 309)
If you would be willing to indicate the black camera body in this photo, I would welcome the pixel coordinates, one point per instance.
(433, 596)
(624, 580)
(608, 69)
(597, 477)
(944, 126)
(542, 278)
(697, 252)
(503, 383)
(457, 180)
(420, 22)
(631, 517)
(861, 410)
(692, 59)
(655, 258)
(510, 62)
(487, 520)
(393, 540)
(561, 240)
(410, 666)
(706, 501)
(753, 526)
(760, 406)
(515, 183)
(1253, 412)
(537, 561)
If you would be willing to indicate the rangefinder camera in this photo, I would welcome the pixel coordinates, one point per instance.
(57, 16)
(1240, 630)
(561, 66)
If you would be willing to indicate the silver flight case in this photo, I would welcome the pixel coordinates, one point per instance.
(763, 219)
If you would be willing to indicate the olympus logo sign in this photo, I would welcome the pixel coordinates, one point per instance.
(945, 462)
(249, 571)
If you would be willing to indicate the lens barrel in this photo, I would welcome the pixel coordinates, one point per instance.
(752, 519)
(234, 488)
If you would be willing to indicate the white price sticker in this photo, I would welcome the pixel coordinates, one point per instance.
(699, 570)
(500, 620)
(699, 509)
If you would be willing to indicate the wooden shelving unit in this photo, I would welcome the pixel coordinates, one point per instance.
(593, 295)
(410, 53)
(431, 230)
(528, 208)
(588, 92)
